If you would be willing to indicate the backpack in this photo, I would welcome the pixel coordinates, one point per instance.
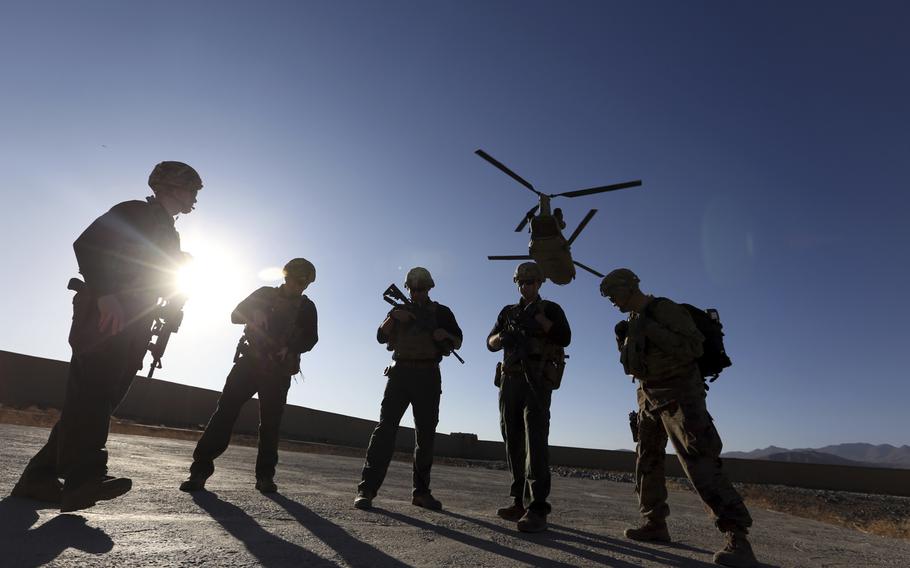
(715, 358)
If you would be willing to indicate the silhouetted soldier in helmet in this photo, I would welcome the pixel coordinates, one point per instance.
(280, 324)
(532, 335)
(419, 336)
(659, 345)
(128, 258)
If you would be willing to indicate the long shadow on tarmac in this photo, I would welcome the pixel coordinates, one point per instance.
(560, 538)
(269, 550)
(355, 552)
(477, 542)
(26, 547)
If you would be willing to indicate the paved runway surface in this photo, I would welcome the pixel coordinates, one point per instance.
(311, 522)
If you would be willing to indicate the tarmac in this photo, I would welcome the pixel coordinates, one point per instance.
(311, 520)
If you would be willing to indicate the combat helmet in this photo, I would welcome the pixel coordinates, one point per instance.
(420, 278)
(174, 175)
(300, 269)
(621, 278)
(528, 271)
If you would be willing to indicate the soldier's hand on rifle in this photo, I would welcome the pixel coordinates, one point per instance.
(110, 314)
(402, 315)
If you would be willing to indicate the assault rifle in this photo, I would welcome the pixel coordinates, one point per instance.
(394, 296)
(167, 321)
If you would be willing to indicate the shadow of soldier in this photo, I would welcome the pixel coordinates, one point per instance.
(655, 552)
(354, 551)
(270, 550)
(25, 547)
(477, 542)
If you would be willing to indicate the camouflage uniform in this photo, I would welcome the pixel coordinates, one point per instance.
(292, 323)
(524, 398)
(660, 349)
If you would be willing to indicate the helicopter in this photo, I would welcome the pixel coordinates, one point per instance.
(548, 247)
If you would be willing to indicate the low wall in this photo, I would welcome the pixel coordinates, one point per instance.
(33, 381)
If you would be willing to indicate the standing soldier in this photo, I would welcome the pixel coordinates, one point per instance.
(128, 258)
(532, 334)
(419, 335)
(659, 346)
(279, 325)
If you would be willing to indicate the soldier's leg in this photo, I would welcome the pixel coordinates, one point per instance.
(273, 394)
(426, 388)
(698, 446)
(96, 385)
(395, 401)
(650, 478)
(537, 420)
(512, 396)
(238, 388)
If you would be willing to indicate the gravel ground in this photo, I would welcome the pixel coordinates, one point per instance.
(883, 515)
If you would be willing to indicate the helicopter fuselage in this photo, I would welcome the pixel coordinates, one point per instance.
(550, 250)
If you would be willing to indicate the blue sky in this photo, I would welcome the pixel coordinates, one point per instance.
(771, 138)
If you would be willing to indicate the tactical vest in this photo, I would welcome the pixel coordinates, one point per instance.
(544, 362)
(281, 313)
(413, 340)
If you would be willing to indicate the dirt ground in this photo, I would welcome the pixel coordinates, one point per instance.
(882, 515)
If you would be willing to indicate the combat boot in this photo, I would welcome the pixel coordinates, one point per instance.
(363, 501)
(46, 489)
(512, 513)
(737, 552)
(532, 522)
(266, 485)
(193, 484)
(651, 531)
(427, 501)
(90, 492)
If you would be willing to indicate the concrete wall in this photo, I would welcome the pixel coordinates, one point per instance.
(33, 381)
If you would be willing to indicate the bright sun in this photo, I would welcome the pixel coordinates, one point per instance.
(213, 281)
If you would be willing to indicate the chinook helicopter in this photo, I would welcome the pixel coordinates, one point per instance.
(548, 248)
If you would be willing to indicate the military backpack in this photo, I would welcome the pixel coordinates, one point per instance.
(714, 359)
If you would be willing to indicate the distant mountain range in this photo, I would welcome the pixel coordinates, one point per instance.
(856, 454)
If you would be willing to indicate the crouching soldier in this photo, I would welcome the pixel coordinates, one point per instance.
(419, 336)
(128, 258)
(659, 345)
(280, 324)
(532, 335)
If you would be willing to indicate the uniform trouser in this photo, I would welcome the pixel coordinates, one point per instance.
(244, 380)
(524, 412)
(686, 423)
(420, 387)
(96, 383)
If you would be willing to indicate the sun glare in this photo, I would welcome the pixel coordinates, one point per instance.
(212, 281)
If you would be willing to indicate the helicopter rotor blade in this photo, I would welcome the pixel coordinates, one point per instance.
(588, 268)
(581, 226)
(505, 170)
(510, 257)
(527, 218)
(599, 189)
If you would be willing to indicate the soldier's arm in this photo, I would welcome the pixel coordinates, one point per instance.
(448, 324)
(255, 302)
(102, 250)
(494, 339)
(670, 327)
(559, 333)
(306, 334)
